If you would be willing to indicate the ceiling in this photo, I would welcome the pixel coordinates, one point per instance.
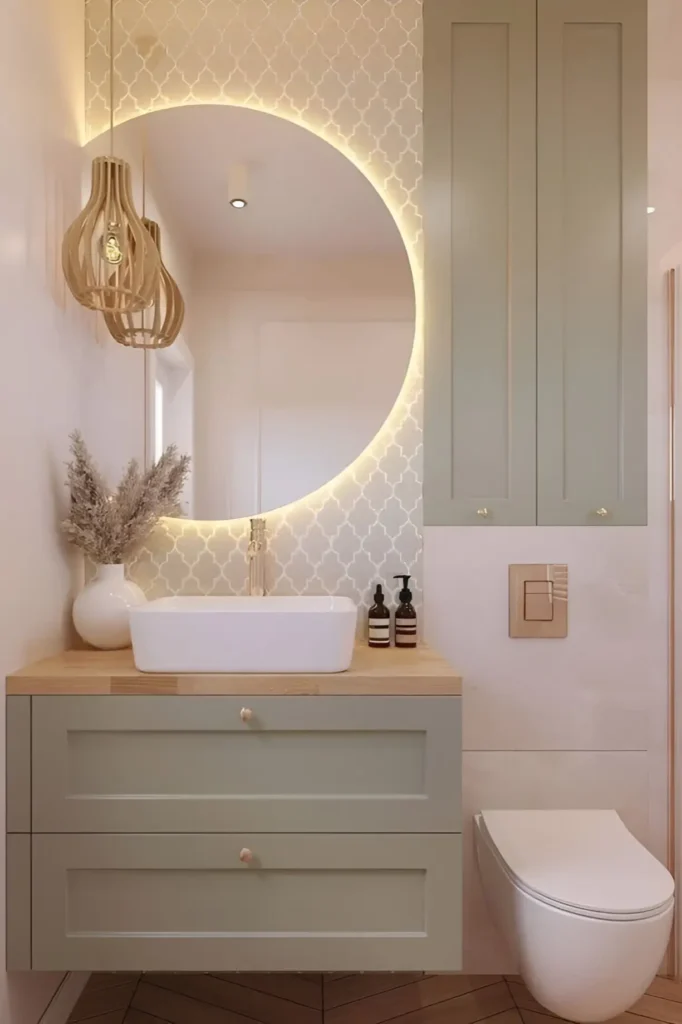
(305, 198)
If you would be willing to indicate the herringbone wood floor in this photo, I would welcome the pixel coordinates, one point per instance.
(333, 999)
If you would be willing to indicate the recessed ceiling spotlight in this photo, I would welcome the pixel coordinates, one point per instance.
(651, 209)
(238, 186)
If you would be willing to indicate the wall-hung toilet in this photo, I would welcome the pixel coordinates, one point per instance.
(586, 909)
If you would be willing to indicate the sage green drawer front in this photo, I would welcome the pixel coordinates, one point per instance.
(305, 902)
(300, 764)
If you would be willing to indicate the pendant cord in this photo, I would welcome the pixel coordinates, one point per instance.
(144, 209)
(144, 170)
(111, 76)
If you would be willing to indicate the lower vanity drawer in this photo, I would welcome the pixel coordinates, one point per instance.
(303, 903)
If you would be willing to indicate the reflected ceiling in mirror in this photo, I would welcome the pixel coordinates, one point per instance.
(300, 304)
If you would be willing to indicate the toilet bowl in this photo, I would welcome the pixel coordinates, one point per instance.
(585, 908)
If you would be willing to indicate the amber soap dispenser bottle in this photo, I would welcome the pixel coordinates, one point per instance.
(379, 621)
(405, 616)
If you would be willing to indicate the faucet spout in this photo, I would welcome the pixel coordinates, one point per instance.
(256, 557)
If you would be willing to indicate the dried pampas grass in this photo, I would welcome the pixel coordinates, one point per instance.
(110, 526)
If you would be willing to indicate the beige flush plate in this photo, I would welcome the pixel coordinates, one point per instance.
(538, 601)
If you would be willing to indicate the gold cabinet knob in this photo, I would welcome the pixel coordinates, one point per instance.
(602, 512)
(246, 714)
(246, 855)
(482, 512)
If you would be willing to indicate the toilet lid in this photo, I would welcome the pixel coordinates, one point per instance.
(587, 860)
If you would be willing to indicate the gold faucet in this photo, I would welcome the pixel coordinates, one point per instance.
(256, 557)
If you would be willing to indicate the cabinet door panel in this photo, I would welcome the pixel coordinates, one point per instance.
(304, 903)
(592, 275)
(480, 251)
(190, 764)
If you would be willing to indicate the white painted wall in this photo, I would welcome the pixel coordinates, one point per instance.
(665, 103)
(296, 369)
(171, 420)
(554, 723)
(42, 340)
(57, 373)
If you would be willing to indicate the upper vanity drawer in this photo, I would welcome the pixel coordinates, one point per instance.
(208, 764)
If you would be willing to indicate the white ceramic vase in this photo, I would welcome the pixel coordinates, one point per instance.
(101, 610)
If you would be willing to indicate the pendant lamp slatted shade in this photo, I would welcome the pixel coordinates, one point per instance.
(109, 259)
(159, 325)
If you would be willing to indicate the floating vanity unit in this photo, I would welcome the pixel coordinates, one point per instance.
(234, 822)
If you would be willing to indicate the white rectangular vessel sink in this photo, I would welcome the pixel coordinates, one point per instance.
(244, 634)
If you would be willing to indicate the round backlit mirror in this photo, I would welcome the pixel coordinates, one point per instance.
(299, 300)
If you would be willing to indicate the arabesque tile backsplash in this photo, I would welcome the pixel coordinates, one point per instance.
(351, 72)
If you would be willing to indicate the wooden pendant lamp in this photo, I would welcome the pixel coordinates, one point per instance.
(109, 259)
(159, 325)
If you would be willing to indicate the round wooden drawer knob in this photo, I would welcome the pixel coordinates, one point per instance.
(246, 714)
(246, 856)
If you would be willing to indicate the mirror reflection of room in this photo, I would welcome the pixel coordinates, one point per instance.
(300, 305)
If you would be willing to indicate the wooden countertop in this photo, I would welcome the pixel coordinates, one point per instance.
(411, 673)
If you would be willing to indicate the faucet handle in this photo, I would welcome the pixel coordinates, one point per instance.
(257, 535)
(256, 557)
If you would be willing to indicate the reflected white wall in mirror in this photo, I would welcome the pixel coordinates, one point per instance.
(300, 306)
(158, 419)
(172, 410)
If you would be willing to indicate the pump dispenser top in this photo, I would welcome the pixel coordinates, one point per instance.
(405, 595)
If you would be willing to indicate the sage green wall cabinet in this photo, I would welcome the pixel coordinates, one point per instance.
(535, 178)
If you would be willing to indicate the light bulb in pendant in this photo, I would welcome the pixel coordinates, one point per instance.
(111, 246)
